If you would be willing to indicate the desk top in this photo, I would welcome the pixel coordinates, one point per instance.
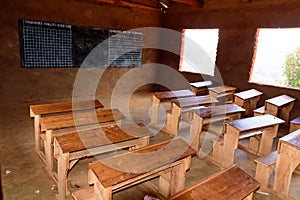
(194, 101)
(80, 118)
(213, 111)
(253, 123)
(292, 138)
(168, 95)
(231, 183)
(222, 89)
(52, 108)
(201, 84)
(248, 94)
(120, 168)
(280, 100)
(110, 134)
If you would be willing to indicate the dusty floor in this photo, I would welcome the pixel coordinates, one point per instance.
(24, 178)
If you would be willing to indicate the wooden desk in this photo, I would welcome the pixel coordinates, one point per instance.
(185, 105)
(71, 147)
(280, 106)
(201, 87)
(158, 97)
(287, 161)
(204, 116)
(223, 91)
(231, 183)
(268, 124)
(167, 160)
(294, 124)
(37, 111)
(52, 123)
(247, 99)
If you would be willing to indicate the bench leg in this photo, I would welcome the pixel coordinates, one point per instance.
(49, 151)
(266, 141)
(173, 120)
(62, 172)
(231, 139)
(285, 112)
(101, 193)
(217, 151)
(154, 110)
(253, 145)
(195, 130)
(262, 175)
(37, 132)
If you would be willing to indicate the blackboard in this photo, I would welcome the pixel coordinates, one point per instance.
(49, 44)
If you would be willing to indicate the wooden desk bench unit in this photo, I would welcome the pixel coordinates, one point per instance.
(167, 160)
(294, 124)
(280, 106)
(247, 99)
(185, 105)
(231, 183)
(201, 87)
(212, 114)
(224, 151)
(37, 111)
(158, 97)
(225, 91)
(52, 123)
(69, 148)
(287, 161)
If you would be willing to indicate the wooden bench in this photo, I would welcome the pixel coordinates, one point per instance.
(158, 97)
(201, 87)
(259, 111)
(54, 123)
(209, 115)
(223, 153)
(264, 168)
(288, 160)
(280, 106)
(247, 99)
(184, 105)
(231, 183)
(224, 91)
(71, 147)
(294, 124)
(167, 160)
(37, 111)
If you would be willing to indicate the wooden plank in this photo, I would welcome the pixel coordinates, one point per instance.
(194, 101)
(248, 135)
(231, 183)
(111, 171)
(84, 194)
(248, 94)
(79, 119)
(281, 100)
(195, 3)
(254, 123)
(292, 139)
(269, 159)
(296, 121)
(222, 89)
(214, 111)
(52, 108)
(201, 84)
(168, 95)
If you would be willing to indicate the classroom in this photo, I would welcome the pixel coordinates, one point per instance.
(150, 100)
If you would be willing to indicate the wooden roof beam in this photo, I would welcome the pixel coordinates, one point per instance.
(195, 3)
(127, 4)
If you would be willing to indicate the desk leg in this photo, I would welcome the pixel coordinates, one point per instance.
(195, 130)
(231, 139)
(288, 159)
(37, 132)
(154, 110)
(174, 118)
(271, 109)
(101, 193)
(49, 150)
(285, 113)
(62, 173)
(267, 138)
(252, 105)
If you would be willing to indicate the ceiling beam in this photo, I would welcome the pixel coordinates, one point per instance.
(196, 3)
(128, 4)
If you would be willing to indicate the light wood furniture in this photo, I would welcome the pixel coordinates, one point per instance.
(264, 168)
(185, 105)
(71, 147)
(53, 123)
(224, 91)
(247, 99)
(167, 160)
(231, 183)
(280, 106)
(294, 124)
(201, 87)
(37, 111)
(259, 111)
(287, 161)
(208, 115)
(224, 151)
(158, 97)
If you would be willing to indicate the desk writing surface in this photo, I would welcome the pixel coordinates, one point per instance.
(296, 120)
(248, 94)
(212, 111)
(168, 95)
(63, 107)
(201, 84)
(252, 123)
(281, 100)
(292, 138)
(193, 101)
(222, 89)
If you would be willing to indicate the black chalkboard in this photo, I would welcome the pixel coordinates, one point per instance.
(48, 44)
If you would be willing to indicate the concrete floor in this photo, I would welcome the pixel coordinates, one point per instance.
(23, 176)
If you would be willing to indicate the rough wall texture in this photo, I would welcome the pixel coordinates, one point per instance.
(21, 85)
(238, 22)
